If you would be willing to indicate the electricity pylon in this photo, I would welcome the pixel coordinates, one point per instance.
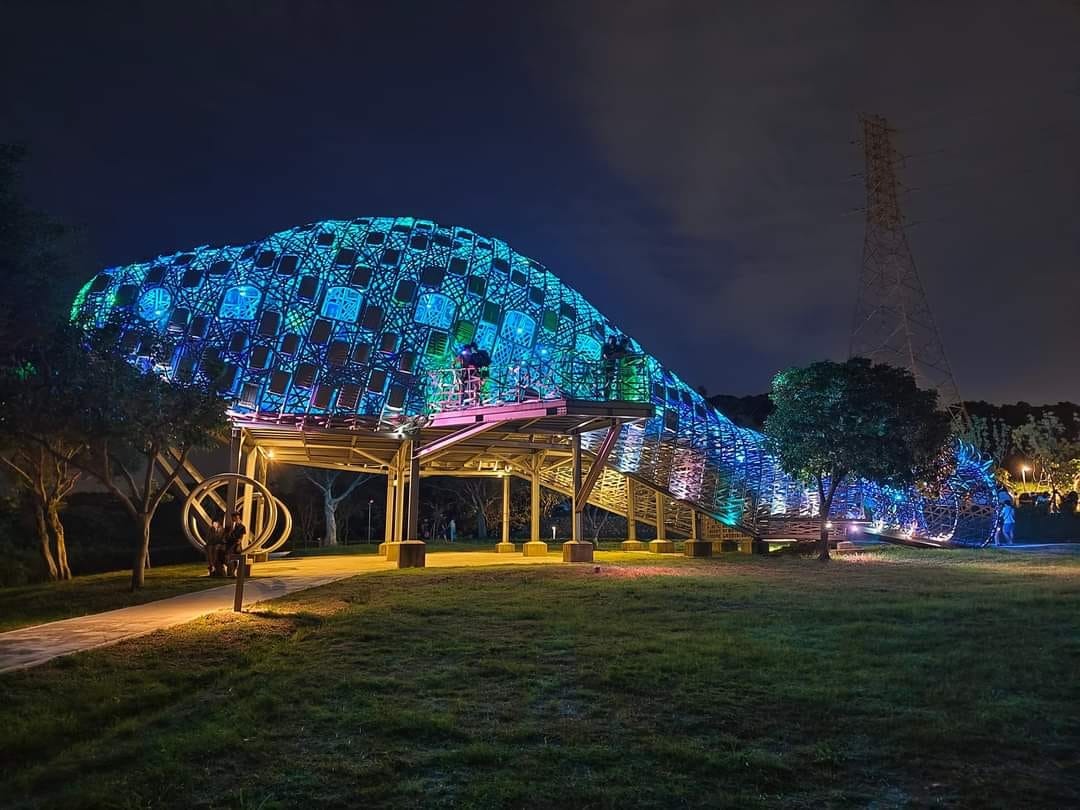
(893, 323)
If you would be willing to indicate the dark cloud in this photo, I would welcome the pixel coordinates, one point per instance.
(686, 165)
(736, 120)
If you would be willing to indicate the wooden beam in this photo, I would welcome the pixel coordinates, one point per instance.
(602, 455)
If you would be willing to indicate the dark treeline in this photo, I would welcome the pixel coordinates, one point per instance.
(752, 410)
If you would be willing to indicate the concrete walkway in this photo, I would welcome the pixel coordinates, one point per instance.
(30, 646)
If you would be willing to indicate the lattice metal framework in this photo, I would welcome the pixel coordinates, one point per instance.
(893, 323)
(343, 323)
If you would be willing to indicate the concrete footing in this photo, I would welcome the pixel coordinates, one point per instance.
(726, 546)
(410, 554)
(577, 551)
(382, 549)
(662, 546)
(632, 545)
(534, 548)
(505, 548)
(697, 548)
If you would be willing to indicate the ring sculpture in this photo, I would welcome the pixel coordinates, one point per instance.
(344, 322)
(259, 539)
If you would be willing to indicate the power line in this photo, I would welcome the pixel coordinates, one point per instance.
(893, 323)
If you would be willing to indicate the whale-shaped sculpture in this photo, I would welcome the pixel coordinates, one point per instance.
(355, 318)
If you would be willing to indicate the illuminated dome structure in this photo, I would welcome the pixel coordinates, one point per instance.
(353, 323)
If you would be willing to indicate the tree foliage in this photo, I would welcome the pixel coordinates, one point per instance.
(37, 276)
(834, 421)
(38, 268)
(81, 392)
(1046, 442)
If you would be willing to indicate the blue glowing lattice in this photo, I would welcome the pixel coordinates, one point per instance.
(240, 303)
(155, 305)
(435, 309)
(348, 317)
(342, 304)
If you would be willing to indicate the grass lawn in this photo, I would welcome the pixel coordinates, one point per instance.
(26, 605)
(48, 601)
(894, 679)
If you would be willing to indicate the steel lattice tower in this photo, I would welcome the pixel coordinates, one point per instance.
(893, 323)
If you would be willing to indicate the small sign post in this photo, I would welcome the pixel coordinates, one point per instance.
(241, 574)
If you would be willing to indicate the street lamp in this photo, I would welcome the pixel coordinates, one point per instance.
(1024, 470)
(552, 534)
(369, 503)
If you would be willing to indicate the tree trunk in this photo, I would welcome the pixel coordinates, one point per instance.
(823, 513)
(330, 518)
(481, 525)
(44, 540)
(57, 527)
(142, 554)
(823, 539)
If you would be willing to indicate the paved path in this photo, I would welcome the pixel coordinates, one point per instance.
(30, 646)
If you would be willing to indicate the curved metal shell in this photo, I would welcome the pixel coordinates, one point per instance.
(355, 318)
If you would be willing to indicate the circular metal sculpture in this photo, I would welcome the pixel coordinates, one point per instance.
(273, 521)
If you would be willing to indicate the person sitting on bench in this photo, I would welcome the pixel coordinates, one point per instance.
(215, 550)
(234, 539)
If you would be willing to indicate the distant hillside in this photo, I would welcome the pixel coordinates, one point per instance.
(749, 411)
(1068, 413)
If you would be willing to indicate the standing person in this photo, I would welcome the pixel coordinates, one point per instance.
(1007, 532)
(234, 539)
(215, 550)
(1055, 500)
(452, 528)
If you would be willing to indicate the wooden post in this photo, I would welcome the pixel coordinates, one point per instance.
(506, 508)
(534, 500)
(248, 496)
(262, 509)
(505, 546)
(234, 467)
(399, 501)
(413, 527)
(388, 529)
(241, 575)
(661, 545)
(575, 478)
(535, 547)
(576, 550)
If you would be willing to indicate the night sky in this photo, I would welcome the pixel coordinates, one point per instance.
(687, 166)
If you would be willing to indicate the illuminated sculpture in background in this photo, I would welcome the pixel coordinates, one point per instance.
(354, 323)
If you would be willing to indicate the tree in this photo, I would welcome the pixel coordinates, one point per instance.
(47, 480)
(1046, 442)
(38, 269)
(477, 494)
(324, 481)
(990, 435)
(37, 275)
(834, 421)
(595, 520)
(81, 391)
(521, 506)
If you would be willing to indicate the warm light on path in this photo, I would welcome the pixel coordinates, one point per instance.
(30, 646)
